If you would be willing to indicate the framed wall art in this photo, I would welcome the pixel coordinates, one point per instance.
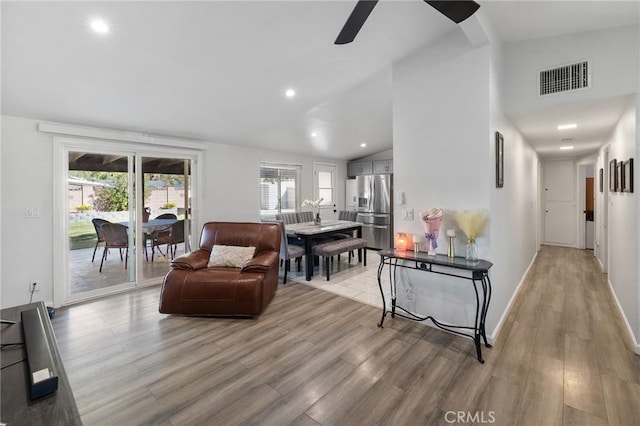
(613, 175)
(499, 160)
(601, 179)
(626, 184)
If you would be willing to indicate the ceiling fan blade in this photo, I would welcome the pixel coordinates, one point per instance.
(359, 14)
(456, 10)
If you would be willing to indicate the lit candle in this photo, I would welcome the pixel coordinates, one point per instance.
(401, 241)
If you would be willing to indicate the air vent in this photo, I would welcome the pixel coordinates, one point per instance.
(565, 78)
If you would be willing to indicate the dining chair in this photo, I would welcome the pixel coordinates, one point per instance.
(115, 236)
(171, 236)
(288, 252)
(305, 217)
(287, 218)
(97, 225)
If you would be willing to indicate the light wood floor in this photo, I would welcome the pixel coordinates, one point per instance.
(313, 357)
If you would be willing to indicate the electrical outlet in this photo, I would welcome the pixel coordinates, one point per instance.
(31, 288)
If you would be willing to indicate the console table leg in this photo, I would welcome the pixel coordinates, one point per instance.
(384, 305)
(478, 348)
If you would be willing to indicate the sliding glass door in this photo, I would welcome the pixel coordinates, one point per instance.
(166, 223)
(127, 214)
(101, 210)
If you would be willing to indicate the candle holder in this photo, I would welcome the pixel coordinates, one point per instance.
(401, 241)
(451, 234)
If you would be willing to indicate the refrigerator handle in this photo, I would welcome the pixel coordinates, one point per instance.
(370, 201)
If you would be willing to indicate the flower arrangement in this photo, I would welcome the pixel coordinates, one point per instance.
(315, 205)
(472, 222)
(431, 220)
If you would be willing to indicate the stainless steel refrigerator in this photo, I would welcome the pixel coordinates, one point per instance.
(375, 209)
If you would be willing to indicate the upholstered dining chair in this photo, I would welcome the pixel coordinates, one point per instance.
(115, 236)
(288, 252)
(97, 225)
(305, 217)
(287, 218)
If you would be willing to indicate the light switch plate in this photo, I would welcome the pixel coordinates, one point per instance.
(408, 214)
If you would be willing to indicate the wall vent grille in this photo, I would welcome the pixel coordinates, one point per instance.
(565, 78)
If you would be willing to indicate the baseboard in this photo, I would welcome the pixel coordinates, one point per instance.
(624, 317)
(496, 331)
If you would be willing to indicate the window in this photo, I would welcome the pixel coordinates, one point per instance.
(279, 189)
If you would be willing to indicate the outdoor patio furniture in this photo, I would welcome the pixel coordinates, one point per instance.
(115, 236)
(97, 225)
(171, 236)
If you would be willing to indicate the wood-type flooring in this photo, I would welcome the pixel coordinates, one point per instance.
(315, 358)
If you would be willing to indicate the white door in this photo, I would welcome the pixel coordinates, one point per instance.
(560, 203)
(324, 186)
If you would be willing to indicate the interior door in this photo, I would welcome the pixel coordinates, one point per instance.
(560, 203)
(589, 212)
(324, 186)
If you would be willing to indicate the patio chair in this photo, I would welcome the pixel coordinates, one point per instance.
(115, 236)
(150, 236)
(97, 225)
(167, 216)
(171, 236)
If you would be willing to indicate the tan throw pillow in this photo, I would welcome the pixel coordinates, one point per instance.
(230, 256)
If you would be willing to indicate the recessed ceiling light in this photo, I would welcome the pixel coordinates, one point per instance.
(290, 93)
(362, 145)
(99, 26)
(314, 134)
(567, 126)
(565, 148)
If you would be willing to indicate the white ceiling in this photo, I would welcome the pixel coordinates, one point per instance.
(217, 71)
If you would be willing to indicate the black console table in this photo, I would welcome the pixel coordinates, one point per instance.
(57, 408)
(477, 273)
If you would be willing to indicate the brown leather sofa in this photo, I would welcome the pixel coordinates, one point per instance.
(192, 288)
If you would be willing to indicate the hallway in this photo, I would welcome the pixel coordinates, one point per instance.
(564, 350)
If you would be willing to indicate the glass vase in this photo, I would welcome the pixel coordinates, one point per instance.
(317, 220)
(471, 250)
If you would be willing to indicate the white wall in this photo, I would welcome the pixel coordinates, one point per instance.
(230, 192)
(614, 57)
(622, 227)
(446, 109)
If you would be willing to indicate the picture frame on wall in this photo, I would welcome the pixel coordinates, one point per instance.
(627, 176)
(619, 172)
(613, 175)
(601, 179)
(499, 160)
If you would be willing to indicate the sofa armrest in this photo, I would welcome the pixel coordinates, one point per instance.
(262, 262)
(197, 259)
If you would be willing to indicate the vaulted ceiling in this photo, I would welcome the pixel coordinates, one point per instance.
(218, 71)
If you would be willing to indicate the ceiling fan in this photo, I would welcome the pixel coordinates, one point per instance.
(456, 10)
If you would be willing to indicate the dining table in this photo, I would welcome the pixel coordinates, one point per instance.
(153, 225)
(308, 232)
